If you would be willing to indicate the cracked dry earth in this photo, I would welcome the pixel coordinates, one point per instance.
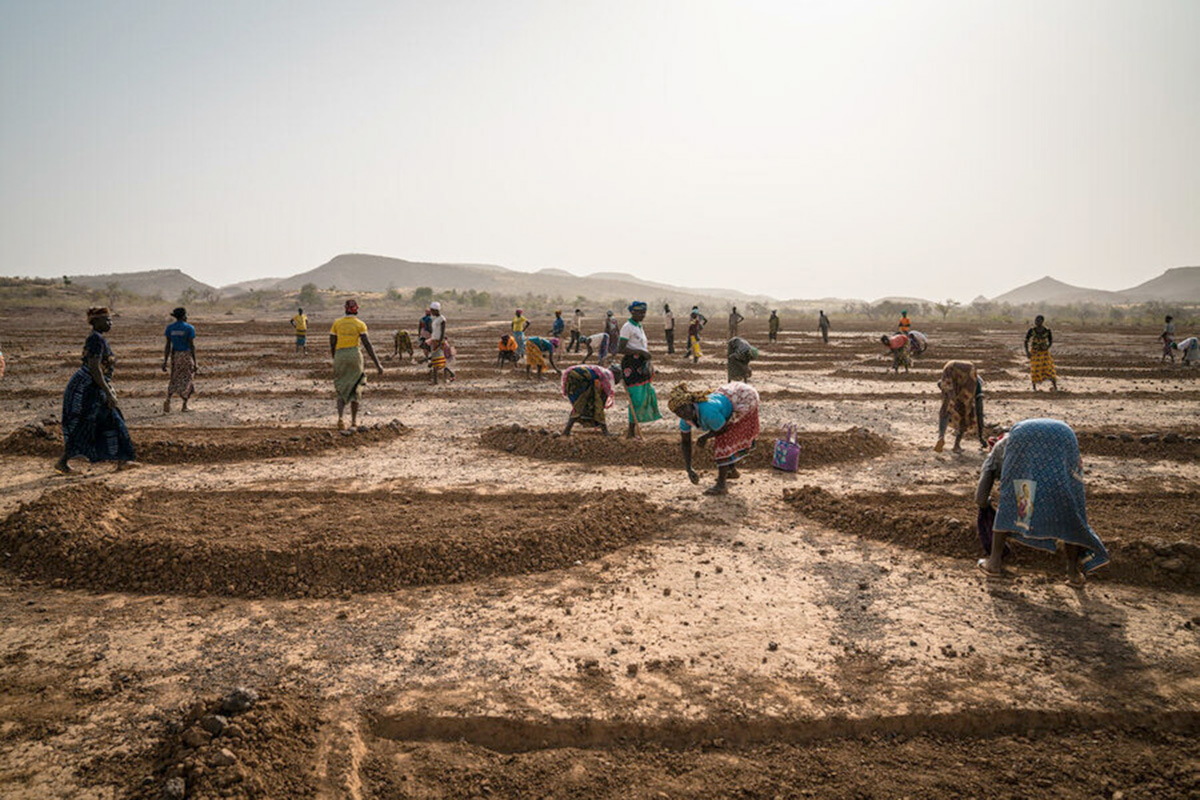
(428, 610)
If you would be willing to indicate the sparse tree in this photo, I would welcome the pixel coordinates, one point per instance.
(66, 280)
(394, 296)
(423, 295)
(309, 294)
(113, 290)
(945, 307)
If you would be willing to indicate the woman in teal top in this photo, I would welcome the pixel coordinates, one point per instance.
(729, 416)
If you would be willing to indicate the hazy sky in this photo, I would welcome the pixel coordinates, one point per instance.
(801, 149)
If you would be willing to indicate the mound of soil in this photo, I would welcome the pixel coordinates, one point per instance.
(261, 543)
(266, 751)
(157, 445)
(1152, 538)
(1157, 445)
(817, 448)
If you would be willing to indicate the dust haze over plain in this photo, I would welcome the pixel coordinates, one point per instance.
(797, 149)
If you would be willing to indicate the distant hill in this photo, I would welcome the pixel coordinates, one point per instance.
(165, 283)
(370, 273)
(1180, 283)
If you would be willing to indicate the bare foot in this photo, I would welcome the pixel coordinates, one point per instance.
(341, 426)
(167, 406)
(63, 467)
(941, 444)
(124, 465)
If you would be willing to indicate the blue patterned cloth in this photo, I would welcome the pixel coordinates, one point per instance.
(90, 428)
(1041, 491)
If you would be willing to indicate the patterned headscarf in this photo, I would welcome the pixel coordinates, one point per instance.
(636, 304)
(680, 396)
(351, 306)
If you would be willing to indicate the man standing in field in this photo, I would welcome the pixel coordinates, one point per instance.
(576, 331)
(556, 330)
(773, 327)
(300, 323)
(734, 319)
(519, 326)
(437, 345)
(669, 328)
(823, 326)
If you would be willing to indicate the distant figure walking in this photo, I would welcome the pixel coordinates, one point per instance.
(1038, 341)
(773, 327)
(1168, 339)
(300, 323)
(905, 324)
(669, 328)
(734, 319)
(898, 346)
(349, 378)
(823, 327)
(180, 351)
(612, 327)
(92, 423)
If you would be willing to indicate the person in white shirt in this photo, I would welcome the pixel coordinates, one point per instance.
(636, 371)
(669, 328)
(576, 331)
(437, 345)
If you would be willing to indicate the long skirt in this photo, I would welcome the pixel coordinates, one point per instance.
(1041, 366)
(585, 392)
(182, 373)
(958, 385)
(737, 439)
(90, 428)
(737, 369)
(348, 375)
(534, 357)
(638, 376)
(1167, 339)
(694, 346)
(901, 358)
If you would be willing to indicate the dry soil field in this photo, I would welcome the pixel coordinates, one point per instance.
(455, 602)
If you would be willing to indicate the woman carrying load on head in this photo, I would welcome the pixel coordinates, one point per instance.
(897, 345)
(962, 404)
(180, 351)
(729, 416)
(1038, 341)
(1041, 498)
(539, 352)
(590, 390)
(737, 359)
(637, 373)
(348, 374)
(92, 423)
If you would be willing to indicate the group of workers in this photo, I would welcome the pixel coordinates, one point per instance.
(1036, 464)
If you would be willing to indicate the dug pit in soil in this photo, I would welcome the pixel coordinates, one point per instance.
(817, 448)
(1154, 445)
(160, 445)
(1152, 538)
(317, 544)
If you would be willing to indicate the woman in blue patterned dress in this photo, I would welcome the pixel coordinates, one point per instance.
(92, 423)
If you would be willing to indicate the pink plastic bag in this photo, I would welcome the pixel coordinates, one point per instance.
(787, 451)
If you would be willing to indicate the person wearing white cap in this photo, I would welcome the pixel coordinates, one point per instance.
(437, 344)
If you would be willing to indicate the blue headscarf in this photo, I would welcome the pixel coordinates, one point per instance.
(636, 304)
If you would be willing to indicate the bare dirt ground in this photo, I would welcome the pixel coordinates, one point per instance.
(466, 604)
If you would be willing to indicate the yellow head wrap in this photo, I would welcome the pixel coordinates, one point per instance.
(681, 396)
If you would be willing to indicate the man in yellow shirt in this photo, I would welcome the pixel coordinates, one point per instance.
(348, 375)
(519, 326)
(300, 323)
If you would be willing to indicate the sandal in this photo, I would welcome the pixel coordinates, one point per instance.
(982, 566)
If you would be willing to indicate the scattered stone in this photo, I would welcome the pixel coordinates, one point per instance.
(214, 724)
(196, 737)
(631, 670)
(239, 700)
(223, 758)
(174, 789)
(773, 646)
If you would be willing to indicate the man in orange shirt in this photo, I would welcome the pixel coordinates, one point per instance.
(905, 322)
